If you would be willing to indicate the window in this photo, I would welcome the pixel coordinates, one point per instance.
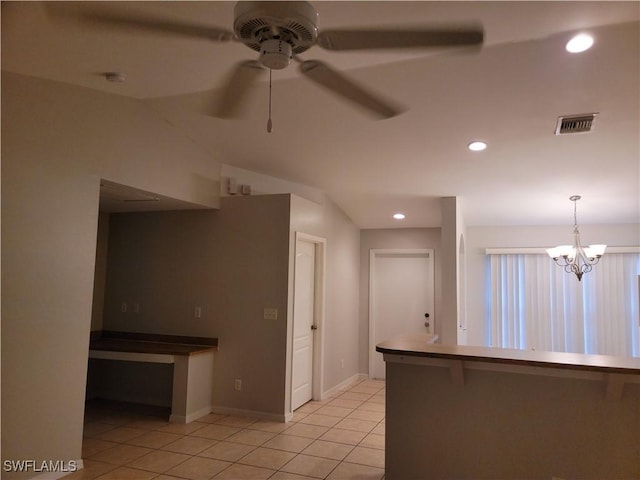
(536, 305)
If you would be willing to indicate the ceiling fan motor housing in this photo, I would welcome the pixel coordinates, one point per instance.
(275, 54)
(278, 30)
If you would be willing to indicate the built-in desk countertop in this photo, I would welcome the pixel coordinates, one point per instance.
(192, 359)
(147, 346)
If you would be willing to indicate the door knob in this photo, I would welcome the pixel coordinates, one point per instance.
(426, 315)
(314, 327)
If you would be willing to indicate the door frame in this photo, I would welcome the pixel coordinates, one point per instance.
(375, 252)
(462, 292)
(318, 312)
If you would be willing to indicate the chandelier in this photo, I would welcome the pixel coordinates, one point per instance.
(576, 258)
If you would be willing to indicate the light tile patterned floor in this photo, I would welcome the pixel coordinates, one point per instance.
(341, 437)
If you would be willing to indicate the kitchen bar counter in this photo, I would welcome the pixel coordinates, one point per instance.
(462, 412)
(417, 346)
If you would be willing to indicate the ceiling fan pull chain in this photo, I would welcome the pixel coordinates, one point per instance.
(269, 122)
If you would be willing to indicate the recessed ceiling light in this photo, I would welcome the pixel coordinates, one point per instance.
(579, 43)
(398, 216)
(477, 146)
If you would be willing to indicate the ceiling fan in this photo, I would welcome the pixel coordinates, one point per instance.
(282, 30)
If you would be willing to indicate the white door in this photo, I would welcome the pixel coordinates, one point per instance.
(400, 298)
(303, 322)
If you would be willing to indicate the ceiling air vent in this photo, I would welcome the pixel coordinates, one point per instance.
(575, 124)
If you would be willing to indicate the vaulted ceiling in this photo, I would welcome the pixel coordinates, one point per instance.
(509, 94)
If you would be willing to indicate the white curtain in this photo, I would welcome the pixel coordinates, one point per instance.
(534, 304)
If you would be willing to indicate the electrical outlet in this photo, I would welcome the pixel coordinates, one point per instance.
(237, 384)
(123, 307)
(197, 312)
(341, 363)
(136, 308)
(270, 314)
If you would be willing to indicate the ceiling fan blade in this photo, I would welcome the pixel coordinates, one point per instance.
(336, 82)
(137, 22)
(236, 88)
(367, 39)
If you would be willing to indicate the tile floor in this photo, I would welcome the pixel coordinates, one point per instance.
(341, 437)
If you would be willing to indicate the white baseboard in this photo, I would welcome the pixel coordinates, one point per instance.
(79, 465)
(173, 418)
(273, 417)
(344, 384)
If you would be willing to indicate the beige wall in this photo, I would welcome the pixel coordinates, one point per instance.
(341, 326)
(58, 141)
(341, 331)
(136, 382)
(232, 263)
(313, 213)
(100, 275)
(392, 238)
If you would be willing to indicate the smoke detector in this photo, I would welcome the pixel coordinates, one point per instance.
(575, 124)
